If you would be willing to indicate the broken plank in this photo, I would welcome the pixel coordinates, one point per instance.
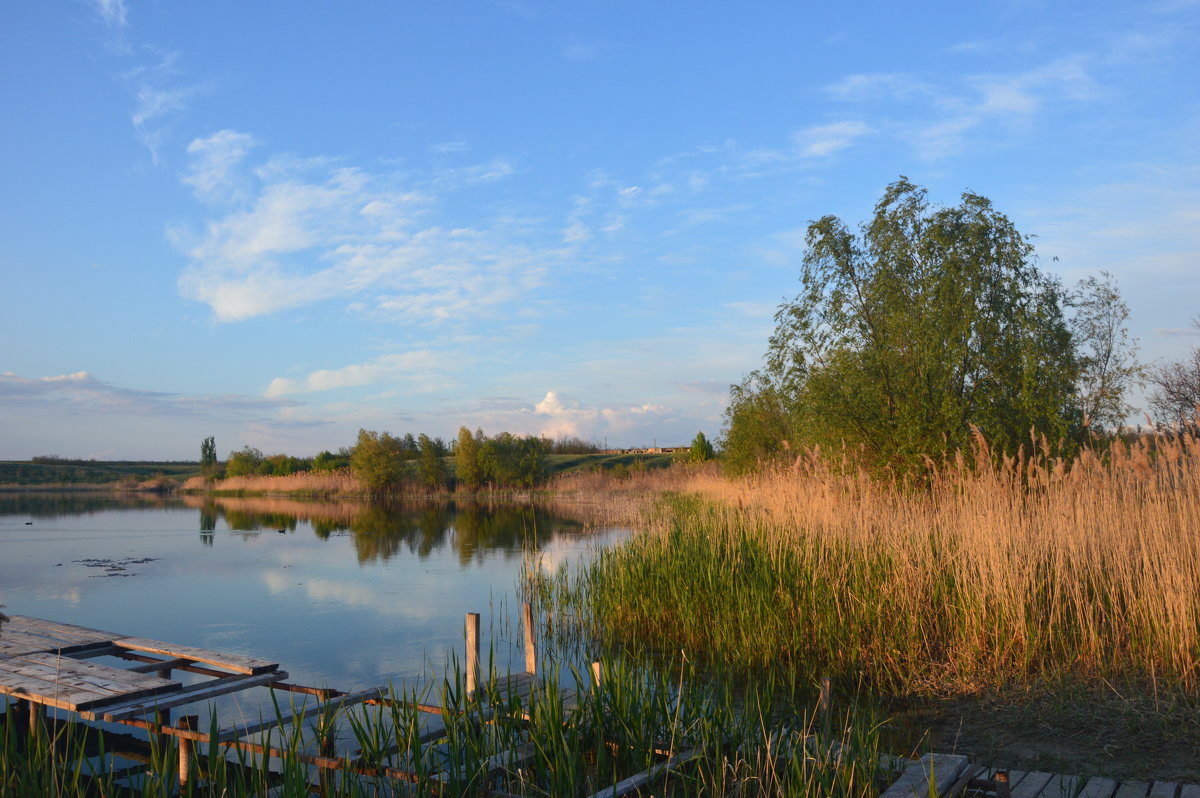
(188, 695)
(639, 780)
(233, 662)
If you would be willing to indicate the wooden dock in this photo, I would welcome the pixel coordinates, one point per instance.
(49, 664)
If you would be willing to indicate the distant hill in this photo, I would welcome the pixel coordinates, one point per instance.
(45, 471)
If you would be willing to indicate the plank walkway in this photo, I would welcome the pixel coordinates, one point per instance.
(953, 775)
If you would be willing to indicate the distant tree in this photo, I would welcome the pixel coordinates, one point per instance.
(378, 460)
(467, 465)
(1175, 389)
(327, 462)
(701, 450)
(511, 461)
(208, 454)
(1108, 365)
(431, 468)
(244, 463)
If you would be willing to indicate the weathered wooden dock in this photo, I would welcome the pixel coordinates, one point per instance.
(49, 664)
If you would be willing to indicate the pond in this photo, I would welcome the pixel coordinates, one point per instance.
(343, 594)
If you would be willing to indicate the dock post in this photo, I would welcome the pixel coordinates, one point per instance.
(1001, 780)
(530, 645)
(472, 652)
(596, 674)
(163, 716)
(186, 723)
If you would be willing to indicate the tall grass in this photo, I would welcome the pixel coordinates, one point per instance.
(552, 747)
(994, 571)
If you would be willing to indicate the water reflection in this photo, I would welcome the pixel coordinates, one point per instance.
(50, 504)
(380, 531)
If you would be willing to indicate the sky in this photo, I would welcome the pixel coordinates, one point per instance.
(278, 223)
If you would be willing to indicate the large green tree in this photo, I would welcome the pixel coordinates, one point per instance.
(467, 467)
(431, 468)
(378, 460)
(926, 322)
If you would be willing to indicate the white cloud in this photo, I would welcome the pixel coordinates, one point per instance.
(311, 230)
(821, 141)
(213, 173)
(391, 367)
(158, 99)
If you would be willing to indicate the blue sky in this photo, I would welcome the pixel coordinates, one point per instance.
(278, 223)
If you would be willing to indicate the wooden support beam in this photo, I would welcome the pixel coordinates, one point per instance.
(187, 723)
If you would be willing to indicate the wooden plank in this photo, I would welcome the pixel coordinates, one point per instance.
(1098, 787)
(1189, 791)
(914, 782)
(1132, 789)
(233, 662)
(640, 780)
(188, 695)
(1163, 789)
(61, 631)
(1031, 786)
(333, 705)
(1062, 786)
(171, 664)
(49, 693)
(116, 675)
(58, 679)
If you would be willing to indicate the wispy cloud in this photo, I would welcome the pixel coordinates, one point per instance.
(412, 366)
(82, 393)
(301, 231)
(159, 97)
(113, 12)
(819, 141)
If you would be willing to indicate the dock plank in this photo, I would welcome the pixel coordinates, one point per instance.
(57, 629)
(234, 662)
(1099, 787)
(87, 686)
(914, 782)
(123, 676)
(187, 695)
(61, 693)
(1062, 786)
(1163, 789)
(1189, 791)
(1031, 786)
(304, 713)
(1132, 789)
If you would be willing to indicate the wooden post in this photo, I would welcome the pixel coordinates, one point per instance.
(596, 673)
(530, 645)
(37, 717)
(472, 652)
(187, 722)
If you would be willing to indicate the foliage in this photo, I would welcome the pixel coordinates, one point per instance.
(929, 326)
(244, 463)
(208, 454)
(431, 469)
(327, 462)
(1175, 389)
(378, 460)
(701, 450)
(510, 461)
(467, 465)
(570, 444)
(1107, 355)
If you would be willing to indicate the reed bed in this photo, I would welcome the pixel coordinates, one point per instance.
(307, 483)
(992, 571)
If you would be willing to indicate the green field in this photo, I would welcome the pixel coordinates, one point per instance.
(90, 472)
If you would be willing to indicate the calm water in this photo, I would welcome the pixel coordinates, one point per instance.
(348, 595)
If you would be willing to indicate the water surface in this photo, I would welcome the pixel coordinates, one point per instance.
(345, 594)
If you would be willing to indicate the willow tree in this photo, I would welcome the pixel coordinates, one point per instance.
(927, 322)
